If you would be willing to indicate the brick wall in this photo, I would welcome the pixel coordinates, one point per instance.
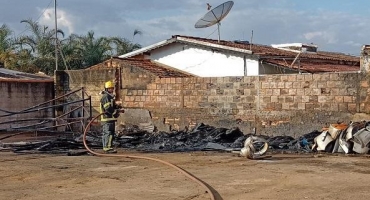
(17, 96)
(274, 104)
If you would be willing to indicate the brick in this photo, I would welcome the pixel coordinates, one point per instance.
(289, 85)
(301, 106)
(137, 98)
(364, 84)
(300, 78)
(220, 80)
(281, 85)
(308, 77)
(284, 92)
(298, 99)
(333, 84)
(297, 85)
(292, 92)
(352, 91)
(292, 78)
(276, 92)
(236, 85)
(310, 106)
(266, 99)
(274, 99)
(284, 78)
(348, 99)
(289, 99)
(338, 99)
(273, 85)
(285, 106)
(300, 92)
(322, 99)
(334, 77)
(334, 107)
(343, 107)
(164, 80)
(352, 107)
(265, 85)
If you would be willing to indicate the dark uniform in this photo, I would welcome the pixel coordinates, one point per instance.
(111, 113)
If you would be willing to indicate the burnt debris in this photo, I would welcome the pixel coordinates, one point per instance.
(202, 138)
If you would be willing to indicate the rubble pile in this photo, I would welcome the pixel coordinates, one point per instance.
(343, 138)
(352, 138)
(204, 137)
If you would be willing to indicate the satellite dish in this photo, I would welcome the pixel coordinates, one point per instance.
(215, 16)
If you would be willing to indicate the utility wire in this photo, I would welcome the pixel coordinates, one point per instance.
(37, 18)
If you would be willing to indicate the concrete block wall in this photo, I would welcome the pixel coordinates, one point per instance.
(292, 104)
(91, 80)
(274, 104)
(19, 95)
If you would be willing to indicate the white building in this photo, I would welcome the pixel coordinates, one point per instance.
(212, 58)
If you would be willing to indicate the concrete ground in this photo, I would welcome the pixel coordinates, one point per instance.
(284, 176)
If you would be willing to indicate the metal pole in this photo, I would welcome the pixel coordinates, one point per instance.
(83, 110)
(218, 27)
(56, 35)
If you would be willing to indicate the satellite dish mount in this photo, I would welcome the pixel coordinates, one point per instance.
(215, 16)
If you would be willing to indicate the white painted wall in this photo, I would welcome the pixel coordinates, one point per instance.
(204, 62)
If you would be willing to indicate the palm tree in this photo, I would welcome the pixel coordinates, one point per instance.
(92, 50)
(123, 45)
(71, 53)
(7, 48)
(137, 32)
(42, 45)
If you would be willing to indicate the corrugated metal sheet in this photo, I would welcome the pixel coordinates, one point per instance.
(16, 76)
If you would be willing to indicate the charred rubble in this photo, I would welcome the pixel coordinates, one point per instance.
(201, 138)
(205, 137)
(352, 138)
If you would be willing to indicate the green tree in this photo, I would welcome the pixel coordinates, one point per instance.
(123, 45)
(93, 50)
(42, 43)
(71, 55)
(35, 51)
(7, 48)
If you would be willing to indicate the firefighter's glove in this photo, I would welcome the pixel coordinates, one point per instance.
(116, 113)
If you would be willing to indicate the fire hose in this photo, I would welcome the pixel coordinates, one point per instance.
(187, 174)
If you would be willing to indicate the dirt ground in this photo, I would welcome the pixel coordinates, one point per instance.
(284, 176)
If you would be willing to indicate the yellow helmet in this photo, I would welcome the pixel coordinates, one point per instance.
(109, 84)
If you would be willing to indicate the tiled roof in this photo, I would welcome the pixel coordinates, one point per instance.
(155, 68)
(314, 68)
(320, 61)
(264, 50)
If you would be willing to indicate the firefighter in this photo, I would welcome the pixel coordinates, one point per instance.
(111, 111)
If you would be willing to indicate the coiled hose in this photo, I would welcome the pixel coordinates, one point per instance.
(187, 174)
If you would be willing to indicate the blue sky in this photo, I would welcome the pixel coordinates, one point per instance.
(333, 25)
